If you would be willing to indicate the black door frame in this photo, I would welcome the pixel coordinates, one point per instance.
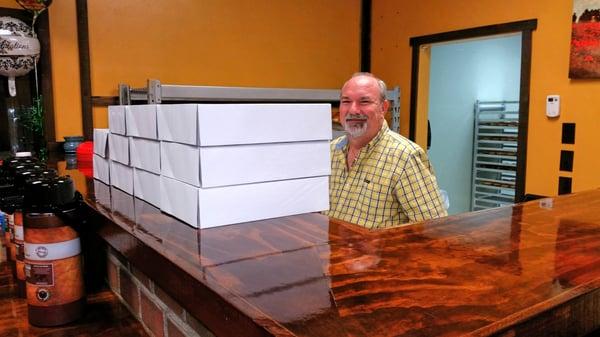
(526, 28)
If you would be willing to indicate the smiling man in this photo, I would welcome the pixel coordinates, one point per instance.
(378, 178)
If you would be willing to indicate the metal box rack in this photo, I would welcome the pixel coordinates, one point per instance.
(494, 154)
(156, 93)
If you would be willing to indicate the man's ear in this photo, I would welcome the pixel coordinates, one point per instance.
(386, 106)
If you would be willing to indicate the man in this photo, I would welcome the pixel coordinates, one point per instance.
(378, 178)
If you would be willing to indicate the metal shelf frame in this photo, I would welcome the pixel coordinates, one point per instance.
(494, 154)
(156, 93)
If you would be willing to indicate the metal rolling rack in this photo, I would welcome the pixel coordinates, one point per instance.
(494, 154)
(157, 93)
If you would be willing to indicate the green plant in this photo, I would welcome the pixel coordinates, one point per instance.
(32, 120)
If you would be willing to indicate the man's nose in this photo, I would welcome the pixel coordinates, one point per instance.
(354, 106)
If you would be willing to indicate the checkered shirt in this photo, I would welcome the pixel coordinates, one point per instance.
(390, 183)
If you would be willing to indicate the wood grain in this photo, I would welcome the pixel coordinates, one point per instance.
(494, 272)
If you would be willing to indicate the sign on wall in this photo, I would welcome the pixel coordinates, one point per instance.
(585, 40)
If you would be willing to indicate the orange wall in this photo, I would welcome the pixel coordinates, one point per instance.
(300, 43)
(394, 22)
(65, 69)
(9, 4)
(293, 43)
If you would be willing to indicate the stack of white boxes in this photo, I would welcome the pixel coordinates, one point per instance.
(101, 155)
(218, 164)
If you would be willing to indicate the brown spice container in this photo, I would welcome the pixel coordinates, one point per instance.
(53, 266)
(18, 248)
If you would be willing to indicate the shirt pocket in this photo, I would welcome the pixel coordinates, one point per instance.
(375, 193)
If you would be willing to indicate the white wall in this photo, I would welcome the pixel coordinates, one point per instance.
(460, 74)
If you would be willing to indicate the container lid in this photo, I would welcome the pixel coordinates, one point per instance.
(48, 194)
(30, 173)
(10, 165)
(22, 154)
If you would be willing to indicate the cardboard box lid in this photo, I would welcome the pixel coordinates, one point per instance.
(178, 123)
(145, 154)
(116, 119)
(121, 176)
(181, 162)
(101, 142)
(146, 186)
(179, 200)
(243, 164)
(140, 121)
(119, 148)
(231, 124)
(101, 168)
(253, 163)
(242, 203)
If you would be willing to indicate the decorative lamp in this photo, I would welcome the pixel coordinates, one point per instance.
(19, 50)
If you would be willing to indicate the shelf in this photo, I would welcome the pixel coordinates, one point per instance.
(494, 154)
(156, 93)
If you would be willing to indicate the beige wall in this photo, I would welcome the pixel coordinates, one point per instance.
(394, 22)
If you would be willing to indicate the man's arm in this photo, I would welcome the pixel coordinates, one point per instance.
(417, 189)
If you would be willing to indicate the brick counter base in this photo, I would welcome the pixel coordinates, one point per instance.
(160, 315)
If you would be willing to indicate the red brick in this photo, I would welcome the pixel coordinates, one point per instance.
(152, 316)
(129, 292)
(169, 301)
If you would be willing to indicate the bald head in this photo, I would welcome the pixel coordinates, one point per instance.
(370, 77)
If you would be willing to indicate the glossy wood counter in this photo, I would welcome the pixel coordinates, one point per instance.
(531, 269)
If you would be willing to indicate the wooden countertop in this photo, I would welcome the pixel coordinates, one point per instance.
(512, 270)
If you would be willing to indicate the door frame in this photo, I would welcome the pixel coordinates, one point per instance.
(526, 28)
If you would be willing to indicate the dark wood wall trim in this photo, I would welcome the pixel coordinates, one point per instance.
(45, 70)
(526, 28)
(84, 69)
(365, 35)
(414, 82)
(523, 114)
(104, 101)
(468, 33)
(54, 146)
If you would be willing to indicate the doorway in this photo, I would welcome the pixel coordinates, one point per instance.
(419, 102)
(462, 73)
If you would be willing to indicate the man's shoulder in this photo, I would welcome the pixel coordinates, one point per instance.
(339, 142)
(393, 141)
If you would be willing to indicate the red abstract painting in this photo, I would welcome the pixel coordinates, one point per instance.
(585, 40)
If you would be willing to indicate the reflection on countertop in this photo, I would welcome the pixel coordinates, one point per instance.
(309, 275)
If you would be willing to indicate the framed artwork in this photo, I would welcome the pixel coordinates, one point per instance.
(585, 40)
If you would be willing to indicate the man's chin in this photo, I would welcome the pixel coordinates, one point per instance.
(355, 132)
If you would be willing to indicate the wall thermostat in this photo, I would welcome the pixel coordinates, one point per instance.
(553, 105)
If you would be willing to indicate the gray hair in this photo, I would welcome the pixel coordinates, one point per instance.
(380, 83)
